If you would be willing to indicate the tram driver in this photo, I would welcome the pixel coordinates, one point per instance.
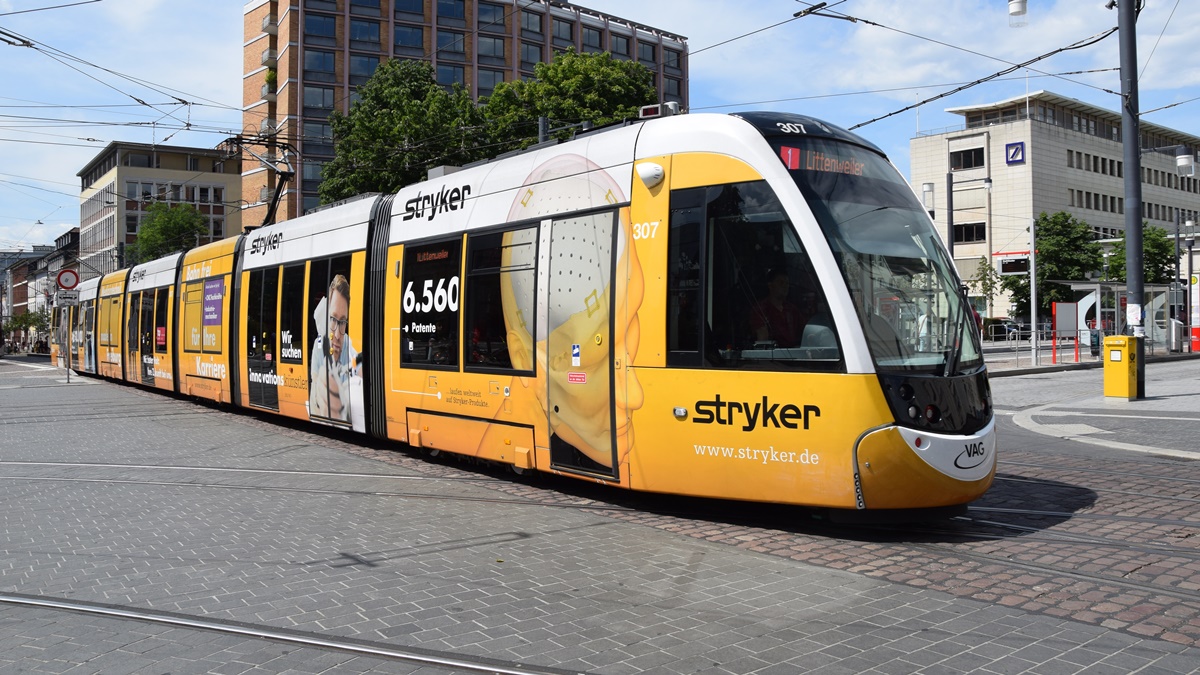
(775, 318)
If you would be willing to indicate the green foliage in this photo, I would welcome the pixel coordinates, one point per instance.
(405, 123)
(573, 88)
(1066, 251)
(37, 320)
(986, 281)
(166, 229)
(1158, 257)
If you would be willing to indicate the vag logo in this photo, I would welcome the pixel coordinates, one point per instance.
(973, 455)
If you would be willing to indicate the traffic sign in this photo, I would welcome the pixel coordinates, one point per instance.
(68, 279)
(67, 297)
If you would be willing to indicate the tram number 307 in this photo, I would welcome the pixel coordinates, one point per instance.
(645, 230)
(440, 299)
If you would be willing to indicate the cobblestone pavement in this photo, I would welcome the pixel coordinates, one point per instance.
(1082, 558)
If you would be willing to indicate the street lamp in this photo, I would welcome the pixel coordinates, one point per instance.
(987, 186)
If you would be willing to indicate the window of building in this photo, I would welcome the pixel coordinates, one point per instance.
(592, 39)
(416, 7)
(364, 33)
(364, 7)
(412, 37)
(492, 17)
(563, 30)
(530, 54)
(1070, 159)
(318, 97)
(490, 46)
(131, 223)
(647, 53)
(449, 42)
(488, 79)
(318, 131)
(966, 159)
(671, 87)
(496, 261)
(137, 159)
(969, 233)
(672, 58)
(320, 29)
(452, 9)
(318, 66)
(619, 45)
(431, 309)
(362, 68)
(447, 75)
(531, 22)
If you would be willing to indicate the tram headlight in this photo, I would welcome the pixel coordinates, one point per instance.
(906, 392)
(914, 412)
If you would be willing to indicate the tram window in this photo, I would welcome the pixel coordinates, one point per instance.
(146, 325)
(429, 304)
(498, 262)
(684, 294)
(193, 300)
(743, 293)
(131, 326)
(160, 320)
(292, 315)
(262, 299)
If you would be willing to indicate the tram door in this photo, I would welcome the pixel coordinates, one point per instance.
(579, 352)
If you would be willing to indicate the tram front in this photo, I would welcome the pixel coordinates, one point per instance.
(917, 323)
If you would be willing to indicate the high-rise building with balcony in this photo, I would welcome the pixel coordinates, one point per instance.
(302, 59)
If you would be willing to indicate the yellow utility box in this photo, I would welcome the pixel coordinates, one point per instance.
(1120, 367)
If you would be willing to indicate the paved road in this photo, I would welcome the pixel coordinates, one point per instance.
(187, 539)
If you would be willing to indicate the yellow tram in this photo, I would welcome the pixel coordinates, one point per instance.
(751, 307)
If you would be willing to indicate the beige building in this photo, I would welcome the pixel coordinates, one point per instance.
(120, 184)
(303, 59)
(1044, 153)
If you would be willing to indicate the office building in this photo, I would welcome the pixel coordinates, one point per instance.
(1045, 153)
(119, 185)
(303, 59)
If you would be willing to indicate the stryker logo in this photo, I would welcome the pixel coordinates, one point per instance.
(973, 455)
(766, 414)
(137, 276)
(262, 244)
(444, 200)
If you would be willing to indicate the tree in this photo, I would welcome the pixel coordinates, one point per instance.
(1158, 257)
(166, 229)
(986, 281)
(1065, 250)
(403, 123)
(572, 88)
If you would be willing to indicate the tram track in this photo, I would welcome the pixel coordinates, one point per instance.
(451, 662)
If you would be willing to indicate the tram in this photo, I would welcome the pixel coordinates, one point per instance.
(750, 307)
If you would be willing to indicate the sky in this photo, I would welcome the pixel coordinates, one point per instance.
(105, 70)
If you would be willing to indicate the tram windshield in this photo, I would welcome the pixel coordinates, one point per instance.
(899, 275)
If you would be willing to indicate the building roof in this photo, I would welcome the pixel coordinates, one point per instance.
(149, 147)
(1069, 103)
